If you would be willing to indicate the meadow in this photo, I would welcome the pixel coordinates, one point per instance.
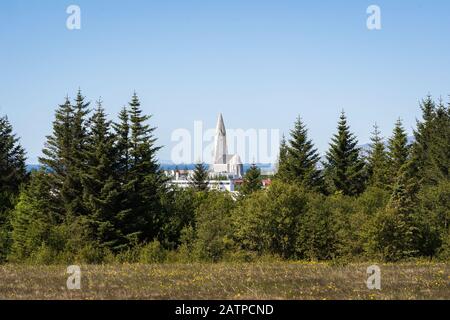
(281, 280)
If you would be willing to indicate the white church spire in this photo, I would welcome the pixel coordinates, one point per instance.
(220, 145)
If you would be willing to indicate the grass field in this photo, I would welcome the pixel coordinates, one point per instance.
(227, 281)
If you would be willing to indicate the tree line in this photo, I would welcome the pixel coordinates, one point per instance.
(101, 196)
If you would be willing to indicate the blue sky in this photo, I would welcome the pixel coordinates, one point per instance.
(259, 62)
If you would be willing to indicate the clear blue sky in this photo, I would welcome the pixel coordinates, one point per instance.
(259, 62)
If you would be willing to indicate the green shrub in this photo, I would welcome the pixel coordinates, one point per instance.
(267, 222)
(92, 254)
(444, 251)
(213, 227)
(43, 255)
(152, 252)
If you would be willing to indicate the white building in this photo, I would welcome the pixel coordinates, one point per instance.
(223, 171)
(224, 164)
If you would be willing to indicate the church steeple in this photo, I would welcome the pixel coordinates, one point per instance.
(220, 145)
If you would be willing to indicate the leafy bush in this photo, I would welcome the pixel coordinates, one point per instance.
(213, 227)
(153, 253)
(268, 221)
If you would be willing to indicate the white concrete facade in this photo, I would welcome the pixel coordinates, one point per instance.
(224, 164)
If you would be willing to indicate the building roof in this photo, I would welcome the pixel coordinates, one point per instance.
(235, 160)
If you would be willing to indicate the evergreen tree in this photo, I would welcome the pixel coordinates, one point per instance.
(12, 176)
(33, 220)
(282, 165)
(58, 159)
(252, 181)
(199, 179)
(78, 154)
(423, 137)
(140, 220)
(303, 158)
(431, 149)
(377, 165)
(393, 231)
(12, 165)
(122, 147)
(64, 155)
(398, 150)
(100, 187)
(438, 168)
(344, 167)
(122, 144)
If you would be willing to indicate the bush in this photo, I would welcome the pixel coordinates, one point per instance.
(153, 253)
(391, 236)
(316, 231)
(92, 254)
(444, 251)
(268, 221)
(43, 255)
(213, 227)
(433, 217)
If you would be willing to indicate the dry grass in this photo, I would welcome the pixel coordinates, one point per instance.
(227, 281)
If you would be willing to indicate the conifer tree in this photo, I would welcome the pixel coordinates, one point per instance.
(12, 176)
(122, 144)
(344, 166)
(64, 156)
(12, 165)
(282, 165)
(58, 158)
(377, 165)
(437, 166)
(252, 181)
(398, 150)
(78, 154)
(122, 148)
(394, 230)
(200, 176)
(303, 158)
(33, 219)
(100, 187)
(424, 135)
(441, 147)
(144, 182)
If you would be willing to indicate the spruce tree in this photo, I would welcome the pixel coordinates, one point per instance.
(64, 155)
(122, 148)
(437, 167)
(100, 187)
(283, 172)
(423, 134)
(344, 167)
(12, 165)
(199, 179)
(252, 181)
(122, 144)
(377, 161)
(303, 158)
(33, 219)
(144, 182)
(398, 150)
(423, 138)
(394, 231)
(58, 159)
(12, 176)
(78, 154)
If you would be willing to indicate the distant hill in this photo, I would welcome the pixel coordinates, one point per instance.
(366, 147)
